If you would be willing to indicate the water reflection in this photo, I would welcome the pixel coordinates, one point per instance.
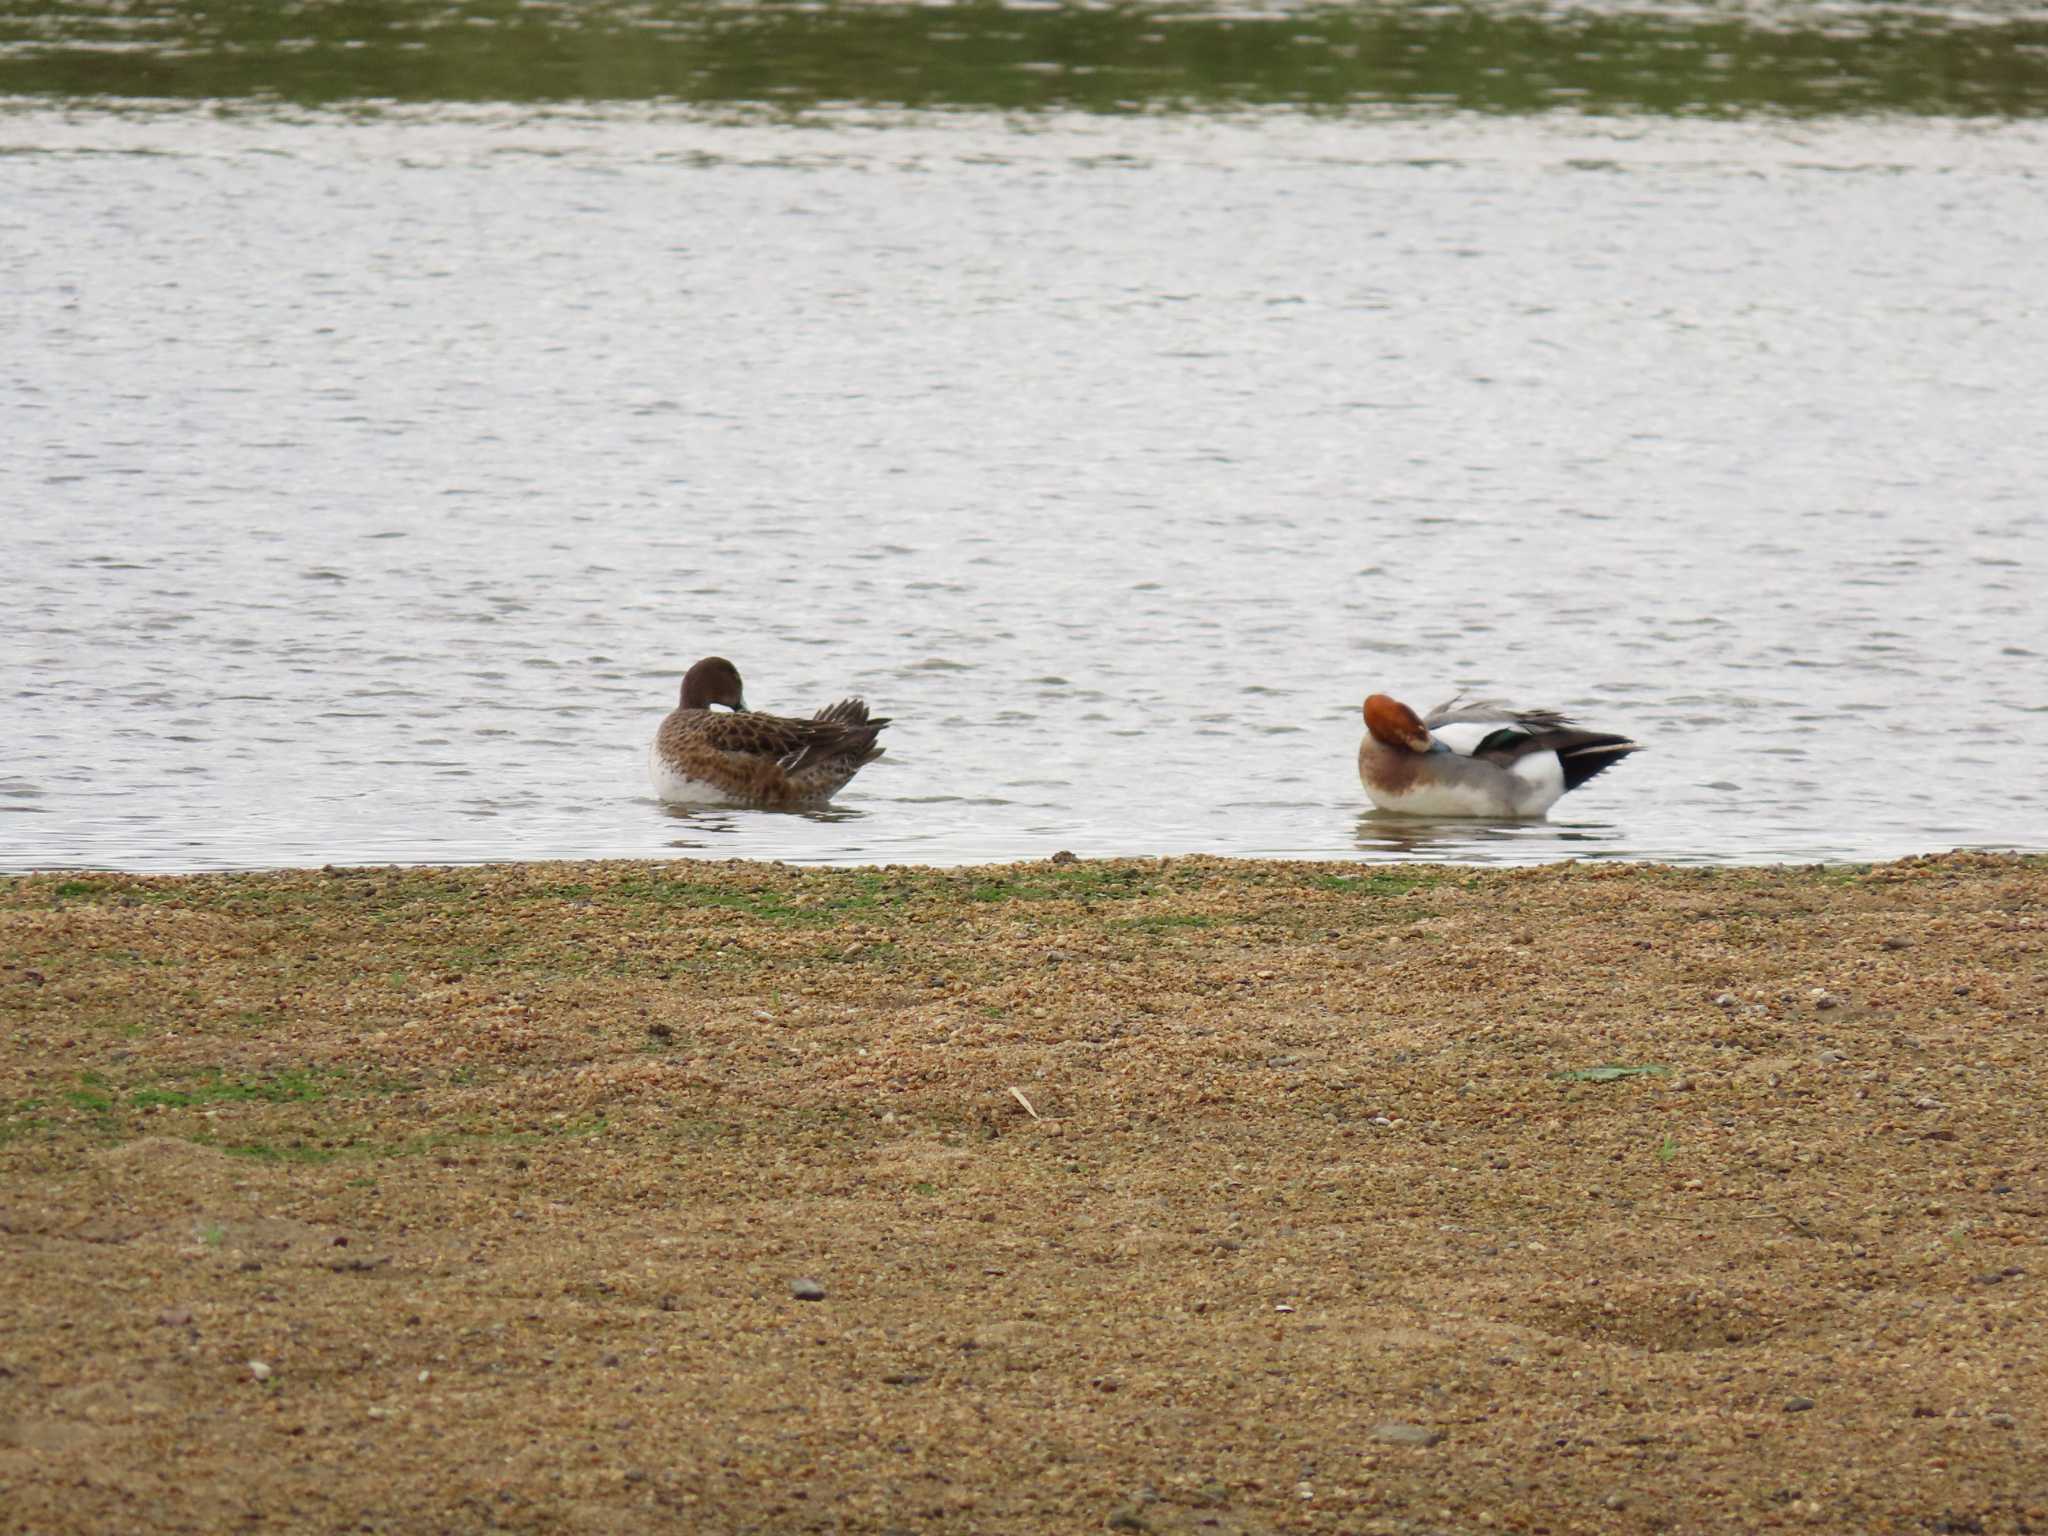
(1428, 839)
(725, 821)
(736, 832)
(1786, 58)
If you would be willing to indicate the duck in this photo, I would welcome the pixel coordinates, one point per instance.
(1482, 758)
(706, 756)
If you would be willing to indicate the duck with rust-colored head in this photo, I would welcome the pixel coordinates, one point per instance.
(1477, 759)
(731, 756)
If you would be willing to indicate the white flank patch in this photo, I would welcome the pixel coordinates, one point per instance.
(680, 789)
(1539, 782)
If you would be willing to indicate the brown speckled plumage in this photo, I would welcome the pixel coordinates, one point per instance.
(772, 762)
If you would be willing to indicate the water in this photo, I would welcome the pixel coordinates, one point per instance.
(371, 474)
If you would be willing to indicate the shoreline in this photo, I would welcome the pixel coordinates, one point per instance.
(1183, 1195)
(1374, 859)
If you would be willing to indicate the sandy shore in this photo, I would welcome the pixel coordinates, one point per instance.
(1183, 1197)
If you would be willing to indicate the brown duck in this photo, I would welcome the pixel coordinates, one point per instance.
(704, 756)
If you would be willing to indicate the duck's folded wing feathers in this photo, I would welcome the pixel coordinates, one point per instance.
(847, 712)
(757, 735)
(839, 730)
(1463, 711)
(1581, 754)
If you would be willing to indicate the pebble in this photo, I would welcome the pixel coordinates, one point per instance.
(1798, 1404)
(1396, 1433)
(806, 1289)
(177, 1317)
(1726, 1000)
(1830, 1058)
(259, 1370)
(2000, 1420)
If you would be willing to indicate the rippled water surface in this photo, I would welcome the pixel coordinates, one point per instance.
(370, 476)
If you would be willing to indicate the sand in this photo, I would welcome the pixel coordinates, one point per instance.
(1185, 1197)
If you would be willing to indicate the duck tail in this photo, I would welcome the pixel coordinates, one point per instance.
(862, 728)
(1586, 754)
(843, 730)
(846, 712)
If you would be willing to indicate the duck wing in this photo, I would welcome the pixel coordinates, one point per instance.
(844, 729)
(790, 744)
(1466, 726)
(1492, 712)
(1492, 731)
(742, 734)
(1581, 754)
(848, 712)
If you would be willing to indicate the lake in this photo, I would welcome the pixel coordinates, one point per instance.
(394, 407)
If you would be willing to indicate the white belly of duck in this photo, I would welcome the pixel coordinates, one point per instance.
(680, 789)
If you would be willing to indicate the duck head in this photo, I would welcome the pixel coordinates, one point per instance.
(714, 680)
(1394, 724)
